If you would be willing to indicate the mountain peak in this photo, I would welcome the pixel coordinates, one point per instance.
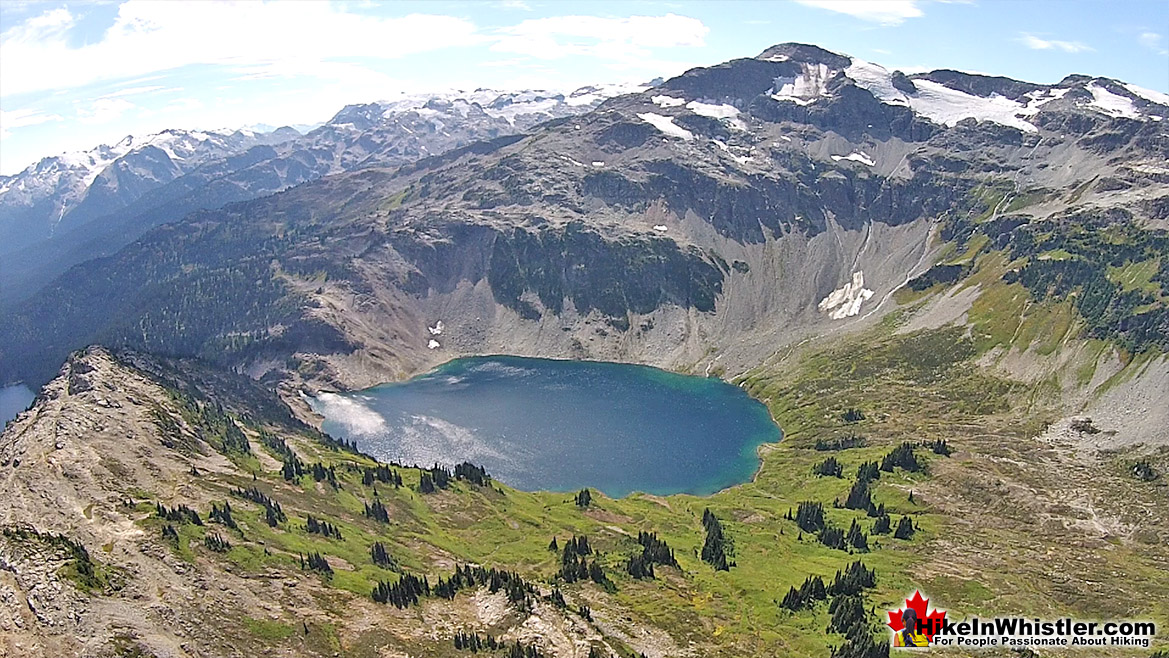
(804, 53)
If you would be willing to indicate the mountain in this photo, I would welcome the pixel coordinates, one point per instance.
(949, 290)
(65, 210)
(60, 192)
(707, 221)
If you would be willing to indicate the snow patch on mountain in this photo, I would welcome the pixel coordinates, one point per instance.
(845, 301)
(666, 125)
(856, 156)
(1111, 104)
(937, 102)
(668, 101)
(1148, 94)
(1041, 97)
(812, 83)
(877, 80)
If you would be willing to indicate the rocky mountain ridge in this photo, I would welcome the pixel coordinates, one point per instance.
(701, 224)
(64, 210)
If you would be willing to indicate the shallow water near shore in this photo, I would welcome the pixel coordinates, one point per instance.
(543, 424)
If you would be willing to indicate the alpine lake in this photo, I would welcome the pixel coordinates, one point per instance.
(557, 425)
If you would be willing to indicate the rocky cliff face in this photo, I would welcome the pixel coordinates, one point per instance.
(701, 224)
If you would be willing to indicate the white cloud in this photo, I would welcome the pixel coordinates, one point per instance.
(885, 12)
(1153, 41)
(135, 91)
(104, 110)
(1036, 43)
(618, 39)
(518, 5)
(10, 121)
(149, 37)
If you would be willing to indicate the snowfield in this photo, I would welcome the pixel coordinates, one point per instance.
(666, 125)
(1112, 104)
(856, 156)
(845, 302)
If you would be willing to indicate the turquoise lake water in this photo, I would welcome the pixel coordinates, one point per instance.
(541, 424)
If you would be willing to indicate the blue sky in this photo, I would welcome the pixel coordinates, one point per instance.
(74, 75)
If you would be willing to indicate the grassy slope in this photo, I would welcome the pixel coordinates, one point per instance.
(997, 533)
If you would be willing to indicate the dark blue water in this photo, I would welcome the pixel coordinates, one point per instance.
(562, 425)
(13, 400)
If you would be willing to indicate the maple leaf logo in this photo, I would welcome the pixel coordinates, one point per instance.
(929, 622)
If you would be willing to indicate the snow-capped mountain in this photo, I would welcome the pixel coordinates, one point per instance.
(947, 97)
(84, 185)
(73, 207)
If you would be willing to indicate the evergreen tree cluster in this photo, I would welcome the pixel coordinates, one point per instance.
(655, 550)
(850, 620)
(848, 615)
(519, 592)
(472, 473)
(832, 537)
(293, 468)
(852, 415)
(170, 534)
(868, 471)
(315, 562)
(223, 515)
(403, 593)
(901, 456)
(381, 473)
(938, 447)
(441, 476)
(575, 566)
(829, 468)
(381, 557)
(718, 547)
(639, 567)
(277, 445)
(475, 643)
(433, 479)
(426, 483)
(840, 443)
(860, 498)
(1136, 319)
(904, 529)
(179, 514)
(377, 511)
(212, 424)
(856, 538)
(217, 543)
(320, 527)
(882, 526)
(556, 598)
(807, 595)
(273, 514)
(322, 473)
(584, 498)
(855, 578)
(342, 445)
(809, 516)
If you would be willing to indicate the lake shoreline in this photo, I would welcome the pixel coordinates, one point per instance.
(614, 422)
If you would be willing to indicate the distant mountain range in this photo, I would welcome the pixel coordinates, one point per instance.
(67, 209)
(720, 212)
